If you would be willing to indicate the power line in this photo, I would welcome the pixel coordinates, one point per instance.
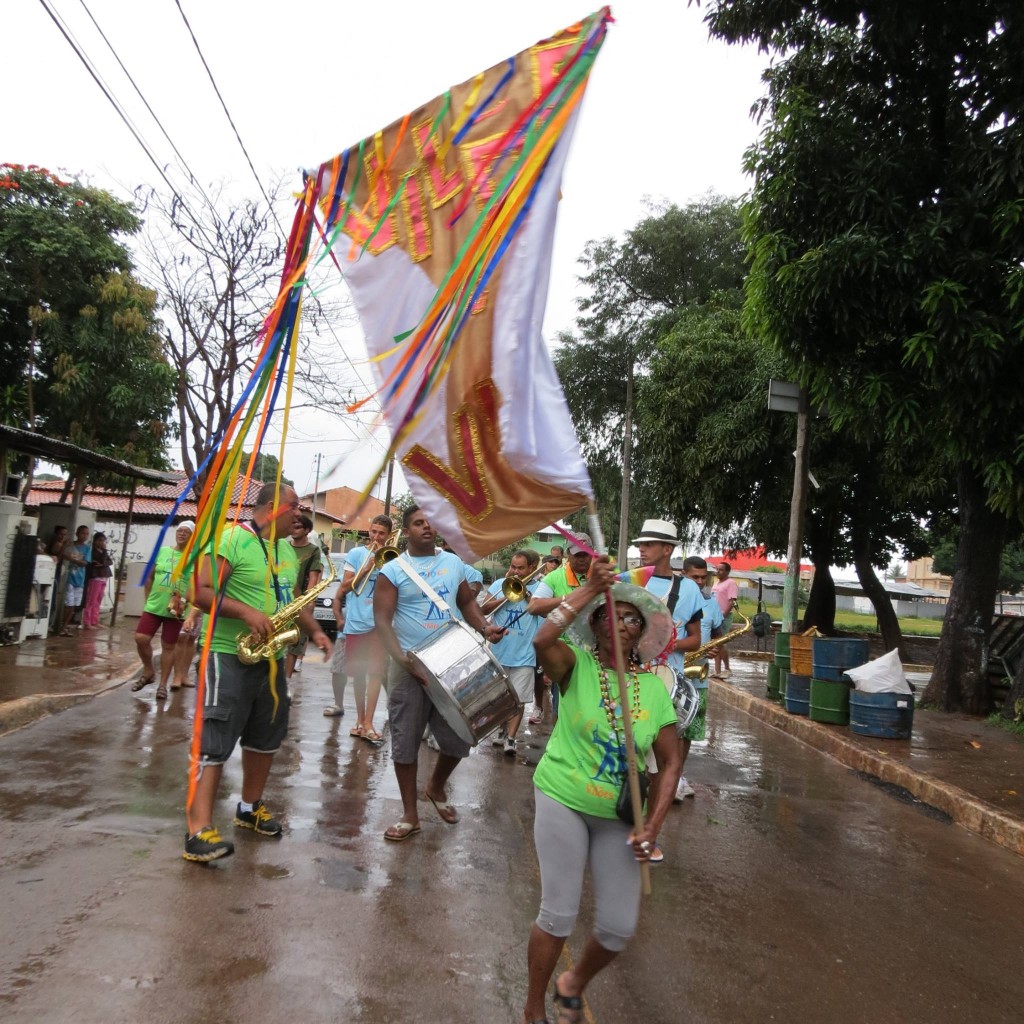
(230, 121)
(227, 114)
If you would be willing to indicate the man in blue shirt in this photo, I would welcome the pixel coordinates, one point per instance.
(79, 555)
(696, 569)
(406, 618)
(365, 657)
(657, 541)
(515, 649)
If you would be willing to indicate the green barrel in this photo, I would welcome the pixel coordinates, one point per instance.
(830, 701)
(772, 692)
(783, 675)
(782, 653)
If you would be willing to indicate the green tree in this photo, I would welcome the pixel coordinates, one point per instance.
(109, 388)
(674, 258)
(886, 229)
(266, 468)
(57, 238)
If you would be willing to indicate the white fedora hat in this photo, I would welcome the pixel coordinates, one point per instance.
(659, 530)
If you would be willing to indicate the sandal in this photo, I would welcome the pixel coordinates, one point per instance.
(449, 815)
(570, 1008)
(356, 730)
(141, 682)
(401, 831)
(372, 737)
(161, 692)
(333, 711)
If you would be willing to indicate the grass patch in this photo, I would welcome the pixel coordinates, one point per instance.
(1016, 728)
(854, 622)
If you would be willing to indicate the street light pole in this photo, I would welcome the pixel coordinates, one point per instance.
(797, 507)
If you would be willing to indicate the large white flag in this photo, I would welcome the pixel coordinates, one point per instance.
(449, 216)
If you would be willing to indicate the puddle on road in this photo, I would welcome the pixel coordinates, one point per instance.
(272, 871)
(340, 874)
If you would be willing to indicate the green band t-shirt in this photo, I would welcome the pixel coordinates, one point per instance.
(159, 600)
(250, 580)
(584, 764)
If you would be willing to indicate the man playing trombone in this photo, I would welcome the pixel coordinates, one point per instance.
(508, 602)
(365, 657)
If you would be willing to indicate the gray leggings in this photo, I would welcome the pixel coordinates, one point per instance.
(565, 839)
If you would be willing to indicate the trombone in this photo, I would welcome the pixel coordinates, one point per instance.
(513, 589)
(381, 555)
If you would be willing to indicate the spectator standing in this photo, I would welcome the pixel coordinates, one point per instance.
(77, 555)
(727, 593)
(98, 571)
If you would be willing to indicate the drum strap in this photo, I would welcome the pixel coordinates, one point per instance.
(428, 590)
(673, 594)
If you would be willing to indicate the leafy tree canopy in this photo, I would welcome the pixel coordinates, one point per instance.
(56, 238)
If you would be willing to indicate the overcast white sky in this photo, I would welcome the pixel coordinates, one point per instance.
(667, 113)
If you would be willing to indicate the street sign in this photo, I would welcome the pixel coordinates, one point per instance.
(783, 396)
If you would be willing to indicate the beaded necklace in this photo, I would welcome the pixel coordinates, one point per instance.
(635, 711)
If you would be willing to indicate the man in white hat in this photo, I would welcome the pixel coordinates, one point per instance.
(657, 541)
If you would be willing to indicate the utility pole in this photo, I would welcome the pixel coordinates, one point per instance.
(387, 489)
(316, 487)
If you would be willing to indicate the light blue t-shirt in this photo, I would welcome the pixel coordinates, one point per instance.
(690, 603)
(359, 607)
(515, 650)
(76, 573)
(712, 618)
(416, 617)
(474, 576)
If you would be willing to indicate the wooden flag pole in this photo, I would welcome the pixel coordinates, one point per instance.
(632, 778)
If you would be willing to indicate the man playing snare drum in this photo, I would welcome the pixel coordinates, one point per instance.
(405, 618)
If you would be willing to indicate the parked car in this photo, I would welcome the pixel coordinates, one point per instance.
(322, 610)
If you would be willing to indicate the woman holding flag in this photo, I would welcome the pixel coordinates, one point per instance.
(580, 777)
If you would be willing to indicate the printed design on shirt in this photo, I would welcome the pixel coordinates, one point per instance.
(613, 762)
(434, 612)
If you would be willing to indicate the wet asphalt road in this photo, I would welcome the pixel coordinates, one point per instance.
(793, 890)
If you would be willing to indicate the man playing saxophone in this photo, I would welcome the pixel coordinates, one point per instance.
(257, 570)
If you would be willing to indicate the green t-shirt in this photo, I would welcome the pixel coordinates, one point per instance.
(309, 561)
(251, 582)
(159, 600)
(583, 766)
(559, 583)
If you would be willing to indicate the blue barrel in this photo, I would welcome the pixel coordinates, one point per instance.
(831, 657)
(798, 694)
(889, 716)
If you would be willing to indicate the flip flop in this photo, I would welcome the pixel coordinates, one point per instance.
(188, 685)
(400, 831)
(356, 730)
(333, 711)
(175, 686)
(444, 809)
(141, 682)
(372, 737)
(570, 1008)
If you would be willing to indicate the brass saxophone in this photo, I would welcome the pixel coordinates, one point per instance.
(252, 649)
(692, 657)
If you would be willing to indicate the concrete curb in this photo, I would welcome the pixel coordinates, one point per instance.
(25, 711)
(965, 809)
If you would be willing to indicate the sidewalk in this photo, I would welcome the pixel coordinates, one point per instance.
(960, 765)
(41, 677)
(963, 767)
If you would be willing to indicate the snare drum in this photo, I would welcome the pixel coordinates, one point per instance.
(685, 698)
(465, 682)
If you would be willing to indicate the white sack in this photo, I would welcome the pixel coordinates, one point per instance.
(883, 675)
